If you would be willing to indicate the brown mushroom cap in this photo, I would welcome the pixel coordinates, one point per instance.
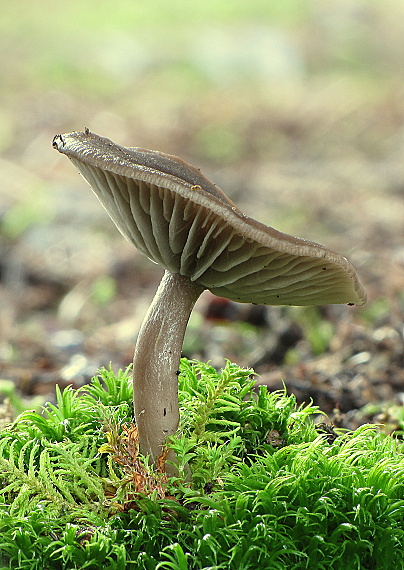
(180, 220)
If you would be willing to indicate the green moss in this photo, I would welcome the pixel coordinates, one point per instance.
(258, 486)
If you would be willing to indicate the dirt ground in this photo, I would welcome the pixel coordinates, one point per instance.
(299, 118)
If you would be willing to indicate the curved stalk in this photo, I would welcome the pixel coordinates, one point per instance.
(156, 361)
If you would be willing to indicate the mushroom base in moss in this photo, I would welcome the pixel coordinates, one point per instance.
(156, 362)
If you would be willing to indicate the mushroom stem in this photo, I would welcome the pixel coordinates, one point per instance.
(156, 361)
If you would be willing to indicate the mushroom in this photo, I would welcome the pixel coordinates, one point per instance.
(185, 223)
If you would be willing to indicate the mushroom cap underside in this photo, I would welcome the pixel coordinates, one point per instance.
(180, 220)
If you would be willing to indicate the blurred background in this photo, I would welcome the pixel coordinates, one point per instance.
(295, 109)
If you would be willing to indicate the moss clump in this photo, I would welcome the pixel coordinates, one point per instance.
(258, 485)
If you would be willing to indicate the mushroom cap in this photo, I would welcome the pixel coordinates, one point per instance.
(184, 222)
